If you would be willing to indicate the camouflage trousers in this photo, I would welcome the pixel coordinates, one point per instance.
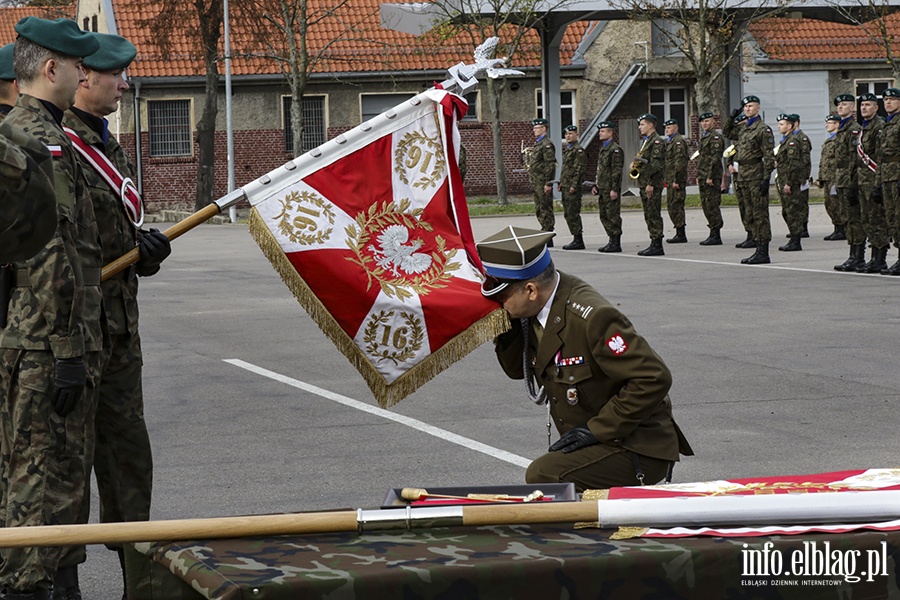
(675, 205)
(711, 201)
(804, 203)
(850, 211)
(871, 214)
(744, 206)
(43, 458)
(594, 467)
(832, 205)
(892, 209)
(653, 211)
(543, 207)
(792, 209)
(610, 213)
(758, 203)
(572, 210)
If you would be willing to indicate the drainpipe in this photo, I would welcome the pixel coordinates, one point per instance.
(137, 136)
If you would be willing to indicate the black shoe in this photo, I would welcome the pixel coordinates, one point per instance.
(714, 239)
(855, 260)
(894, 269)
(792, 246)
(760, 257)
(805, 232)
(876, 263)
(679, 237)
(839, 233)
(575, 244)
(654, 249)
(550, 243)
(748, 243)
(614, 244)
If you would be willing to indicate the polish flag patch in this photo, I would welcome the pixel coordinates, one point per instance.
(617, 344)
(55, 151)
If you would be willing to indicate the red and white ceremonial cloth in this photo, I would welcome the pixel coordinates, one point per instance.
(836, 482)
(372, 234)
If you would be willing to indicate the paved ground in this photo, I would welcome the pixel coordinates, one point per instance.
(787, 368)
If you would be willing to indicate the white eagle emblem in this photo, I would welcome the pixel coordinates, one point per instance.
(617, 344)
(395, 253)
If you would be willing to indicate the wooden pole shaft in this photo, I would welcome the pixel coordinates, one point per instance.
(519, 513)
(176, 230)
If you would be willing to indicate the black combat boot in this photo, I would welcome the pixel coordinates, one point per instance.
(614, 244)
(748, 243)
(65, 584)
(760, 257)
(805, 232)
(550, 243)
(877, 262)
(894, 269)
(575, 244)
(714, 239)
(654, 249)
(855, 260)
(679, 237)
(838, 231)
(791, 246)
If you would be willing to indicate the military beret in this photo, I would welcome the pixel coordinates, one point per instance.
(6, 62)
(543, 122)
(748, 99)
(61, 35)
(647, 117)
(843, 98)
(796, 117)
(570, 128)
(115, 53)
(868, 97)
(890, 93)
(606, 125)
(741, 117)
(706, 115)
(833, 118)
(787, 117)
(668, 122)
(513, 254)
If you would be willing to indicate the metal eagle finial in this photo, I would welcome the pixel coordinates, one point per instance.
(465, 75)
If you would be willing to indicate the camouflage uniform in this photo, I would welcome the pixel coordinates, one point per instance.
(871, 210)
(55, 312)
(610, 163)
(791, 165)
(804, 187)
(827, 166)
(572, 176)
(732, 131)
(652, 164)
(122, 455)
(845, 159)
(540, 160)
(755, 159)
(676, 172)
(888, 176)
(709, 166)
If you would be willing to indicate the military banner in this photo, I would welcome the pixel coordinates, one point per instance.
(371, 234)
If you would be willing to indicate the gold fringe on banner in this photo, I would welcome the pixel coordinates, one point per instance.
(486, 328)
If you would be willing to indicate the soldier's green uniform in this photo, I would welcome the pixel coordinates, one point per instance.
(827, 166)
(871, 206)
(732, 130)
(610, 163)
(709, 179)
(676, 173)
(55, 329)
(651, 162)
(804, 187)
(790, 160)
(540, 161)
(755, 159)
(846, 161)
(571, 178)
(607, 388)
(889, 176)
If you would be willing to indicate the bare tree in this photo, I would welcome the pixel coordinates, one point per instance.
(879, 22)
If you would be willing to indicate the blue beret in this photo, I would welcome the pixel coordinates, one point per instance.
(6, 62)
(61, 35)
(115, 53)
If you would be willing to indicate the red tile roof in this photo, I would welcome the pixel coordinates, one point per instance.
(813, 40)
(10, 16)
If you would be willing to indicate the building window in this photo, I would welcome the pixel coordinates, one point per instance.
(372, 105)
(872, 87)
(472, 99)
(566, 107)
(669, 103)
(169, 128)
(313, 123)
(667, 37)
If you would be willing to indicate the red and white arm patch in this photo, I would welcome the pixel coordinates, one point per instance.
(55, 151)
(617, 344)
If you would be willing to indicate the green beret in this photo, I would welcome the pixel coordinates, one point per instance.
(795, 117)
(705, 116)
(61, 35)
(543, 122)
(670, 122)
(890, 93)
(570, 128)
(787, 117)
(843, 98)
(868, 97)
(748, 99)
(115, 53)
(647, 117)
(836, 118)
(606, 125)
(6, 62)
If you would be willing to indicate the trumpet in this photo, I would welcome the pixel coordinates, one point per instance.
(729, 151)
(634, 171)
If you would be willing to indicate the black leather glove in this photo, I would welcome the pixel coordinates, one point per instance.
(69, 379)
(764, 187)
(878, 195)
(154, 248)
(576, 438)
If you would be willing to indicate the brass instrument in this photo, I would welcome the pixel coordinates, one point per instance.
(729, 151)
(634, 171)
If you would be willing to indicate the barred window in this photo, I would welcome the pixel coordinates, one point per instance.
(169, 128)
(313, 123)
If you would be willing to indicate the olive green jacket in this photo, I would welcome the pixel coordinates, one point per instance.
(889, 155)
(845, 158)
(610, 163)
(709, 163)
(573, 167)
(540, 160)
(677, 160)
(651, 161)
(755, 155)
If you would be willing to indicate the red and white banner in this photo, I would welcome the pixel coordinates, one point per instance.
(372, 234)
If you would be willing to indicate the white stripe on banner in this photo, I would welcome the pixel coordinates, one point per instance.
(459, 440)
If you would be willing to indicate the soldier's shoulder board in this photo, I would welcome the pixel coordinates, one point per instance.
(582, 310)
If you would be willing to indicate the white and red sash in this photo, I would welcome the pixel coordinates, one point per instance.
(122, 186)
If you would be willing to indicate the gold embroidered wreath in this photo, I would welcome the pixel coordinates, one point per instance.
(380, 351)
(410, 148)
(292, 223)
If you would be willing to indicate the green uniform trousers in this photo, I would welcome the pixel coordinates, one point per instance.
(595, 467)
(675, 205)
(572, 207)
(610, 213)
(653, 212)
(711, 201)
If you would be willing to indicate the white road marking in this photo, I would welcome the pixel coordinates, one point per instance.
(437, 432)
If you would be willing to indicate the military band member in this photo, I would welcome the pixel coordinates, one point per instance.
(790, 162)
(845, 159)
(754, 162)
(608, 185)
(650, 167)
(8, 90)
(709, 177)
(676, 179)
(570, 179)
(540, 161)
(871, 205)
(732, 130)
(826, 182)
(51, 343)
(606, 387)
(804, 188)
(889, 170)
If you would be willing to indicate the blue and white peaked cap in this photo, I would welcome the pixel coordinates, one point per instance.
(513, 254)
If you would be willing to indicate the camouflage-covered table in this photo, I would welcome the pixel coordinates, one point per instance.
(502, 562)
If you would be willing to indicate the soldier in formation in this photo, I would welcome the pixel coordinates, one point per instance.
(608, 185)
(570, 181)
(804, 187)
(888, 175)
(648, 169)
(845, 159)
(826, 182)
(732, 131)
(709, 177)
(676, 179)
(540, 161)
(871, 205)
(791, 159)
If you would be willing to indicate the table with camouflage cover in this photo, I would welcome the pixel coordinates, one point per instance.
(500, 562)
